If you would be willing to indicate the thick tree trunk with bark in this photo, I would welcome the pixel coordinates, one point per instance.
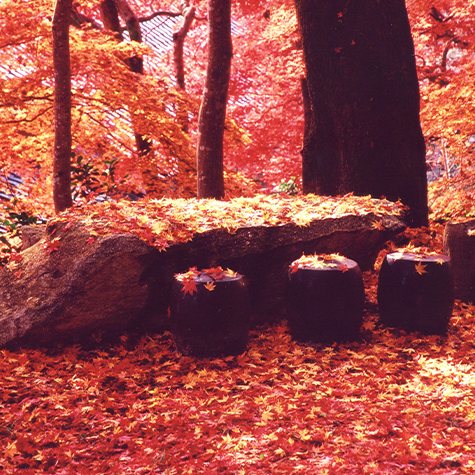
(110, 17)
(62, 107)
(213, 106)
(365, 135)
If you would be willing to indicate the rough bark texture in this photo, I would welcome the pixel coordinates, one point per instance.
(215, 97)
(110, 17)
(62, 107)
(309, 183)
(459, 245)
(119, 282)
(366, 135)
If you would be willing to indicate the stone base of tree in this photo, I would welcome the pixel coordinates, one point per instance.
(118, 283)
(459, 245)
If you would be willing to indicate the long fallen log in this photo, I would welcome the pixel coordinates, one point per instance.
(109, 268)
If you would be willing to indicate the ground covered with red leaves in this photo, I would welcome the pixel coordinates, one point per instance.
(392, 402)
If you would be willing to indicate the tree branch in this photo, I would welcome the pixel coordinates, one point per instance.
(155, 14)
(29, 120)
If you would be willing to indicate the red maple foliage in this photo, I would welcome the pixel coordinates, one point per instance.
(53, 245)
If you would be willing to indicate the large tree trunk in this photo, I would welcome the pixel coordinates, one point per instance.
(215, 97)
(62, 107)
(365, 135)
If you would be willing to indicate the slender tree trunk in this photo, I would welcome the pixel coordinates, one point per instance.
(110, 12)
(110, 17)
(178, 42)
(365, 135)
(62, 107)
(215, 97)
(135, 32)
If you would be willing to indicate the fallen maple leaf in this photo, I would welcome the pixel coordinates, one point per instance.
(420, 268)
(230, 273)
(294, 267)
(190, 274)
(343, 268)
(189, 286)
(16, 257)
(11, 450)
(368, 325)
(215, 273)
(319, 261)
(377, 225)
(52, 246)
(210, 286)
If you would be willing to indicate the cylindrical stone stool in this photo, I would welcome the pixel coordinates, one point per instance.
(326, 298)
(416, 291)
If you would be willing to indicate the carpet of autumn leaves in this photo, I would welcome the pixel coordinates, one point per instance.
(392, 402)
(166, 221)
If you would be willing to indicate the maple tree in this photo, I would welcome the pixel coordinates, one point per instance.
(62, 107)
(443, 35)
(179, 36)
(110, 12)
(264, 96)
(212, 115)
(104, 89)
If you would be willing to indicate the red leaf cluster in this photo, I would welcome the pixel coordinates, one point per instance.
(52, 246)
(319, 261)
(163, 222)
(188, 279)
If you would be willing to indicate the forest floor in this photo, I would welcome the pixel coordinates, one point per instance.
(392, 402)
